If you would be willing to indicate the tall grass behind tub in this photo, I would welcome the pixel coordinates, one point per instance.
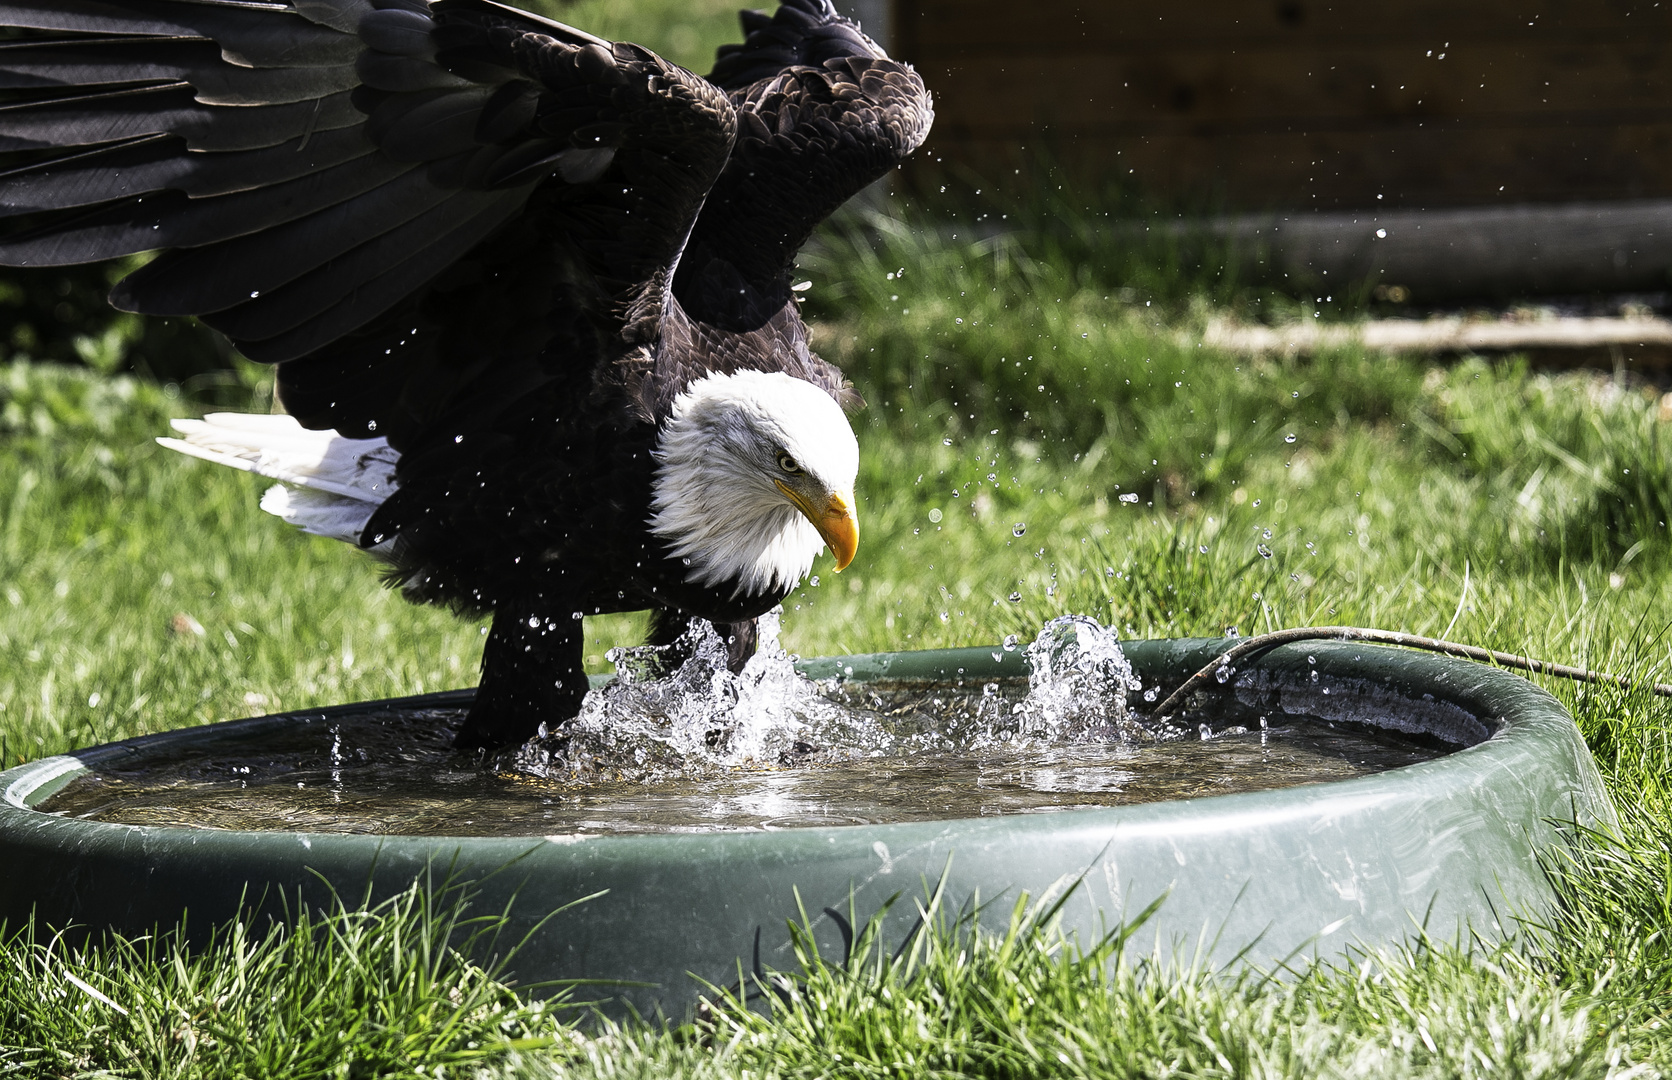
(960, 338)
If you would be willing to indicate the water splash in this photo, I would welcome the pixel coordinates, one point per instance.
(677, 711)
(1077, 686)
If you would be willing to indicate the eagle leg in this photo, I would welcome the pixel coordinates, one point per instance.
(741, 640)
(532, 673)
(668, 630)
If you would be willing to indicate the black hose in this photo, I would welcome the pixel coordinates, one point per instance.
(1262, 642)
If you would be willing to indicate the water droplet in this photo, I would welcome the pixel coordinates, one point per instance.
(1231, 631)
(1265, 535)
(1015, 598)
(1289, 438)
(1222, 674)
(1129, 497)
(1019, 528)
(1256, 502)
(1010, 642)
(935, 514)
(946, 442)
(814, 581)
(1314, 676)
(1203, 549)
(1265, 552)
(1295, 394)
(1150, 694)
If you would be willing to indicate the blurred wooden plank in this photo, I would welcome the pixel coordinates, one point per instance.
(1641, 346)
(1449, 334)
(1301, 103)
(1054, 24)
(1460, 164)
(1442, 255)
(1190, 90)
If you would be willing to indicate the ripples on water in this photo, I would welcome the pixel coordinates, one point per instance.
(698, 749)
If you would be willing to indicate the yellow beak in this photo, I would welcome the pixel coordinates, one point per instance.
(834, 521)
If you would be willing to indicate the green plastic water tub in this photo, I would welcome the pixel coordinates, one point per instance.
(1453, 843)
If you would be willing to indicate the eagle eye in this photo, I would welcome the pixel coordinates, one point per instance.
(788, 464)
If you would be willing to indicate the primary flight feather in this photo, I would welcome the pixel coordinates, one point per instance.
(528, 291)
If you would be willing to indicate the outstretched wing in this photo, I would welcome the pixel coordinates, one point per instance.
(410, 206)
(822, 112)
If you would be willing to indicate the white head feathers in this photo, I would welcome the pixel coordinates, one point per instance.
(714, 498)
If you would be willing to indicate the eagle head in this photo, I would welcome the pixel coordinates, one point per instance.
(754, 474)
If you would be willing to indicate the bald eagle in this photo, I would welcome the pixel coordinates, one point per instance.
(529, 291)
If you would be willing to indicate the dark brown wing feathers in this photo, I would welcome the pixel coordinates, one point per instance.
(422, 209)
(822, 113)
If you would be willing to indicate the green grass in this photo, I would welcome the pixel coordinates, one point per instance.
(1057, 395)
(360, 990)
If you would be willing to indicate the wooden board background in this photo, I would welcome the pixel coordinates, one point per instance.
(1300, 103)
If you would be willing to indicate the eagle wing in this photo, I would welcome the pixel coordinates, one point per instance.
(822, 113)
(420, 211)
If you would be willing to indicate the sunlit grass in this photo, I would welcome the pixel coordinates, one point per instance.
(1016, 999)
(357, 990)
(392, 991)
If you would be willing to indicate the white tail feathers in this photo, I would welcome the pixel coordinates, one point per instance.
(339, 482)
(319, 512)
